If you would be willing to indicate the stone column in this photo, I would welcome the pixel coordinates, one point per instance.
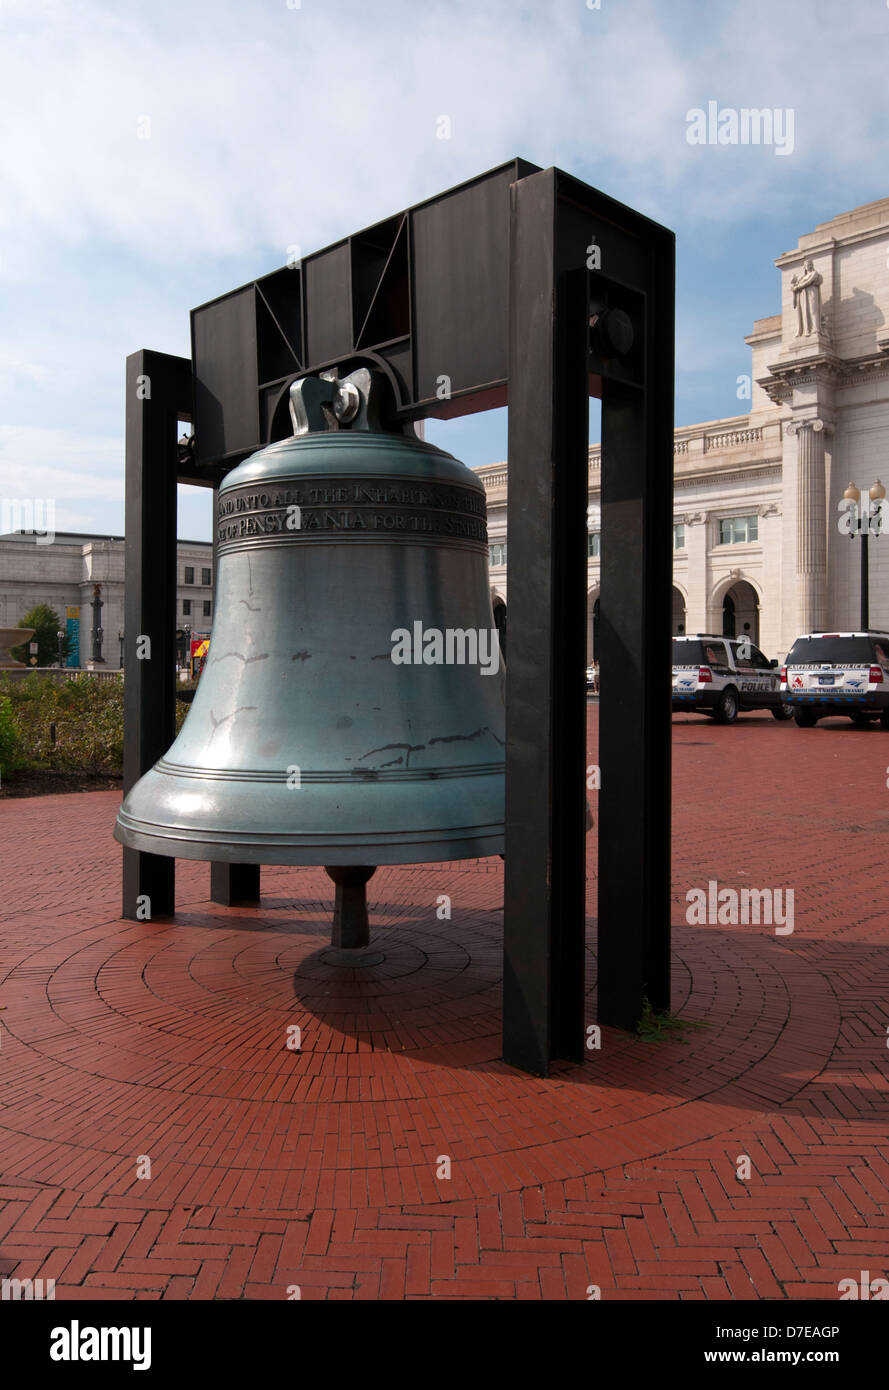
(770, 605)
(697, 617)
(811, 525)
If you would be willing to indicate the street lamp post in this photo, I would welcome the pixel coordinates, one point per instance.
(97, 605)
(877, 493)
(120, 640)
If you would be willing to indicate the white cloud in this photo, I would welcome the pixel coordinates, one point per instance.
(79, 475)
(271, 126)
(45, 462)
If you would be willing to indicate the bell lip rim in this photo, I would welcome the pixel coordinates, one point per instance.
(349, 778)
(415, 851)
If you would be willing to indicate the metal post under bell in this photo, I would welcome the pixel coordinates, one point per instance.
(350, 924)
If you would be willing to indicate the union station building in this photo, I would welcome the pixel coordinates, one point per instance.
(757, 544)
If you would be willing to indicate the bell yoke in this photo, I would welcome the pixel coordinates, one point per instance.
(311, 738)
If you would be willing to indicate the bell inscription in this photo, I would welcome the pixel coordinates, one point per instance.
(356, 506)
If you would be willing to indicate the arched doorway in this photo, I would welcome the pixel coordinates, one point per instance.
(592, 628)
(500, 624)
(740, 612)
(678, 627)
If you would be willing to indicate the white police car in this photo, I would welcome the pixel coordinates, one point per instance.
(720, 676)
(827, 673)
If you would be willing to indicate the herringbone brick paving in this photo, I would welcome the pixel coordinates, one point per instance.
(323, 1169)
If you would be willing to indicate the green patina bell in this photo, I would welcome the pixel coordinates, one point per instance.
(351, 708)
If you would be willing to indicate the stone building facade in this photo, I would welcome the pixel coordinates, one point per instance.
(64, 573)
(757, 538)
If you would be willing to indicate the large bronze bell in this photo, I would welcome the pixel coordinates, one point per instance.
(351, 709)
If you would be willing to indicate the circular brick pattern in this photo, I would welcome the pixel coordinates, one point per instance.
(175, 1040)
(351, 959)
(168, 1041)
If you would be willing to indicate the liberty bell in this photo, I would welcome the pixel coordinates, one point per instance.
(351, 708)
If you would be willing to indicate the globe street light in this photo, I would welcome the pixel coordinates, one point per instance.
(876, 493)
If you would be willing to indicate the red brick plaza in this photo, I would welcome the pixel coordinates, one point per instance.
(271, 1168)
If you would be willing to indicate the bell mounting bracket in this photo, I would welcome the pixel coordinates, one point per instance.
(329, 401)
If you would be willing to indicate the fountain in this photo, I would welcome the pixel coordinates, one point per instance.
(13, 637)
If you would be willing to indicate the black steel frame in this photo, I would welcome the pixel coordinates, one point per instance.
(432, 298)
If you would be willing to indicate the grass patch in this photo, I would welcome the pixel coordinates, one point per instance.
(664, 1026)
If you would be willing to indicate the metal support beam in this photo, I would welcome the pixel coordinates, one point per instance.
(234, 883)
(634, 661)
(158, 393)
(544, 873)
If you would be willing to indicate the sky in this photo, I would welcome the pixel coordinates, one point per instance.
(156, 155)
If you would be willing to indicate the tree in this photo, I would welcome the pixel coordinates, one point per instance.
(46, 624)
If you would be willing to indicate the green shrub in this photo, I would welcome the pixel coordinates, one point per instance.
(86, 714)
(9, 739)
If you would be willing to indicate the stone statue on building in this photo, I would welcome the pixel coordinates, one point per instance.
(807, 300)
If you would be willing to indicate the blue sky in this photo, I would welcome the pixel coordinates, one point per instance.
(275, 123)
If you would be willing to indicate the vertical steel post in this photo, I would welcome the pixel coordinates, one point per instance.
(634, 662)
(544, 874)
(158, 391)
(234, 883)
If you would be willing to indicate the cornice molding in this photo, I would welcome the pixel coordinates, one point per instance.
(826, 370)
(701, 480)
(737, 475)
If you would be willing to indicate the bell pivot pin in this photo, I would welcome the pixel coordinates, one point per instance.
(346, 402)
(612, 333)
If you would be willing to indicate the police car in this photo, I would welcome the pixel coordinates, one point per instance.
(827, 673)
(720, 676)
